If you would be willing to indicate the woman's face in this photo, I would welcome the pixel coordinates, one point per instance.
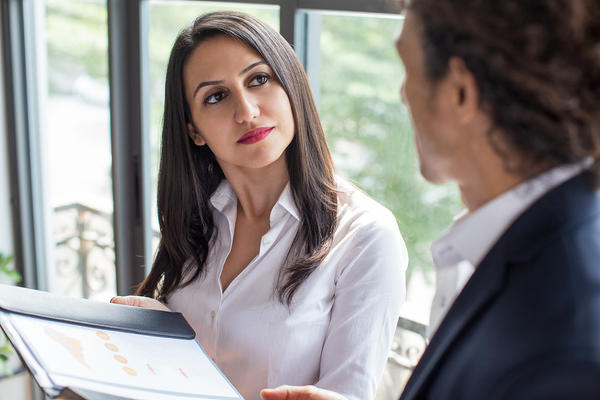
(239, 108)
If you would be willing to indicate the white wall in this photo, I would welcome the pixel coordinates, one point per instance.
(6, 239)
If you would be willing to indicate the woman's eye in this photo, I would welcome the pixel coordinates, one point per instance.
(214, 98)
(259, 80)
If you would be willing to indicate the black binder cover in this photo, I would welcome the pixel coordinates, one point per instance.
(94, 314)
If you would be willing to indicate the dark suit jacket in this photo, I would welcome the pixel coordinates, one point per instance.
(527, 324)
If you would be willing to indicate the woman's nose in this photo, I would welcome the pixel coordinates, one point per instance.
(246, 108)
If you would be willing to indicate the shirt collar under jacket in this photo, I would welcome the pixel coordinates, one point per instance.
(224, 200)
(473, 234)
(459, 251)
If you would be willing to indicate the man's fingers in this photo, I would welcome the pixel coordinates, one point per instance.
(286, 392)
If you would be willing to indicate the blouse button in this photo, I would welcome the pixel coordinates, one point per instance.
(212, 314)
(277, 212)
(266, 241)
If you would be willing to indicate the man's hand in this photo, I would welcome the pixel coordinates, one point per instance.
(139, 301)
(299, 393)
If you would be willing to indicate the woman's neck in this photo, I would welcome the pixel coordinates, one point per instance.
(259, 189)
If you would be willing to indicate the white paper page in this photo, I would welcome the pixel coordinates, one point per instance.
(123, 364)
(36, 369)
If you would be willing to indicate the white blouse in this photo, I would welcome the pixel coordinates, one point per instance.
(340, 328)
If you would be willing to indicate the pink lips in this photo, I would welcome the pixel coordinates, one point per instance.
(255, 135)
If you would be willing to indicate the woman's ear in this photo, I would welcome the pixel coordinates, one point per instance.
(195, 135)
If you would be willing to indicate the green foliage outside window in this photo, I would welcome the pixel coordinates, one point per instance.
(76, 37)
(7, 275)
(369, 130)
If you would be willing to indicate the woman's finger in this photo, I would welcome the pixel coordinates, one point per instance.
(139, 301)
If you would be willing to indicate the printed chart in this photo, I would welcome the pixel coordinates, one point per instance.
(122, 360)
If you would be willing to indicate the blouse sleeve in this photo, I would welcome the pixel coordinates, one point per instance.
(369, 292)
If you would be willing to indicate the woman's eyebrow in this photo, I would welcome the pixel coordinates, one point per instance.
(249, 67)
(209, 83)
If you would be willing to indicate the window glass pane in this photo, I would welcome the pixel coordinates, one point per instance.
(167, 18)
(371, 140)
(369, 131)
(75, 119)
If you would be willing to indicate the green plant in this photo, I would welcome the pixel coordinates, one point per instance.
(12, 275)
(7, 270)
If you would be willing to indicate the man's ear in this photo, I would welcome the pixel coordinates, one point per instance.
(466, 92)
(195, 135)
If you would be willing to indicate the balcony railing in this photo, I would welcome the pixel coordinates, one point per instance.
(84, 252)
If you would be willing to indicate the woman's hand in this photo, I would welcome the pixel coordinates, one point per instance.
(299, 393)
(139, 301)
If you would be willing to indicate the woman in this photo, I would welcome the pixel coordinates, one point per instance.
(287, 273)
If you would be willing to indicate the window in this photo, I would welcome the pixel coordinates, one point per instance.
(75, 117)
(370, 135)
(59, 137)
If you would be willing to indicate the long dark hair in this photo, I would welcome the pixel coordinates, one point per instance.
(189, 174)
(537, 67)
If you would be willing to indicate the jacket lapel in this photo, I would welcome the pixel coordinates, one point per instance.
(482, 288)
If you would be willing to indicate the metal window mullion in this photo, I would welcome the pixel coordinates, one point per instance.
(308, 48)
(129, 141)
(287, 20)
(367, 6)
(25, 174)
(24, 138)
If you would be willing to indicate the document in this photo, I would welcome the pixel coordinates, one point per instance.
(111, 361)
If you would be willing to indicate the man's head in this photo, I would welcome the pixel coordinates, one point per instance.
(531, 67)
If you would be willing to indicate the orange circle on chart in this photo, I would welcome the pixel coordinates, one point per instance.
(102, 335)
(111, 347)
(120, 359)
(129, 371)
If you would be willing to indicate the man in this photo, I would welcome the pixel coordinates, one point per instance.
(505, 101)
